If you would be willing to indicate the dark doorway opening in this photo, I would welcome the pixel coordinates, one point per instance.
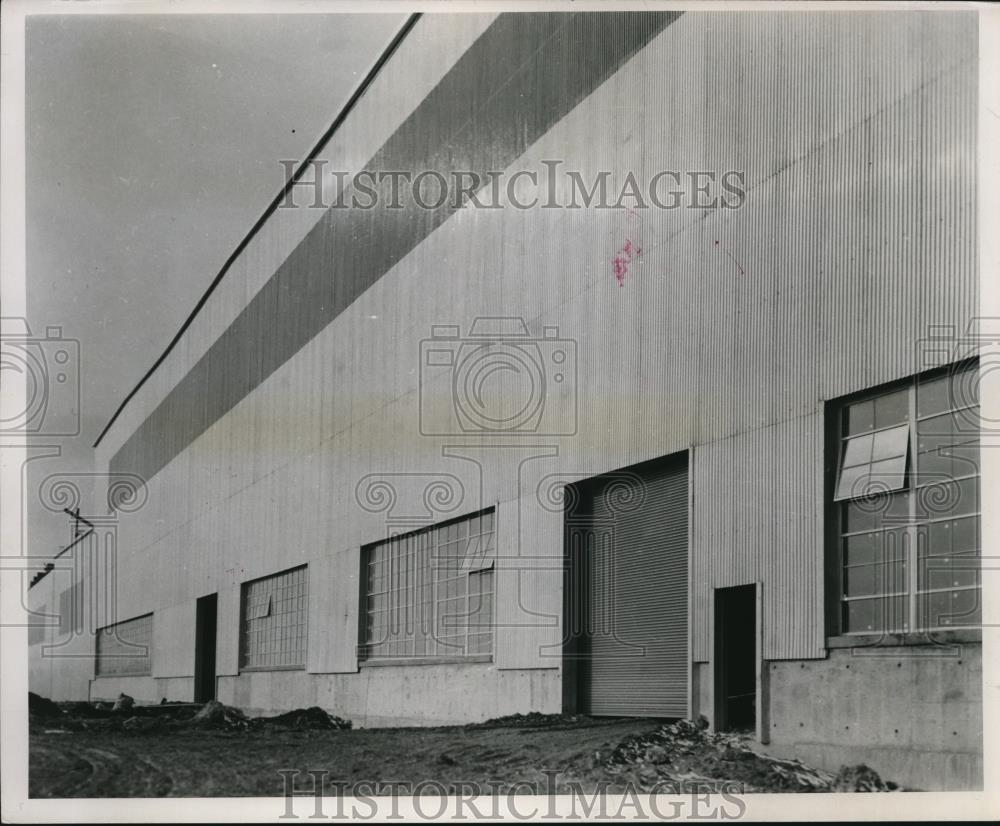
(204, 648)
(736, 658)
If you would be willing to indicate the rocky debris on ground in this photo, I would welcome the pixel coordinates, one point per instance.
(42, 706)
(80, 708)
(534, 720)
(861, 778)
(142, 724)
(306, 718)
(123, 704)
(219, 716)
(687, 753)
(167, 715)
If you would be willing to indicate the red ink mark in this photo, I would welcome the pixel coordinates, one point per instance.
(731, 258)
(623, 260)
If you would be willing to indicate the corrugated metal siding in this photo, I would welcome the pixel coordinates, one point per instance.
(858, 232)
(758, 500)
(474, 120)
(529, 572)
(173, 623)
(634, 546)
(857, 133)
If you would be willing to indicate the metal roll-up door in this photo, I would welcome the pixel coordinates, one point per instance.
(635, 587)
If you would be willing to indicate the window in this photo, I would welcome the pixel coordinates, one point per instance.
(124, 649)
(71, 610)
(274, 620)
(907, 503)
(430, 593)
(36, 626)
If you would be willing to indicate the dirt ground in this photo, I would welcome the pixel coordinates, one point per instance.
(77, 751)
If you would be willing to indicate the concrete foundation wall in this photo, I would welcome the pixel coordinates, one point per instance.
(141, 689)
(912, 714)
(409, 695)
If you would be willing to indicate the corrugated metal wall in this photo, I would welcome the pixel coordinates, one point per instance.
(856, 134)
(758, 499)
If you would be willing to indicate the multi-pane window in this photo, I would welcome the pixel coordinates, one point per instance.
(37, 627)
(125, 648)
(71, 610)
(908, 503)
(273, 621)
(430, 593)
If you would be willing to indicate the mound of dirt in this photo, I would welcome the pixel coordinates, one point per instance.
(534, 720)
(42, 706)
(124, 704)
(313, 718)
(143, 724)
(684, 751)
(215, 715)
(860, 778)
(82, 709)
(126, 715)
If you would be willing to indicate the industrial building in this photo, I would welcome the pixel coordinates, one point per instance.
(714, 456)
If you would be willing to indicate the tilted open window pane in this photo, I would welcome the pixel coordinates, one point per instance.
(873, 463)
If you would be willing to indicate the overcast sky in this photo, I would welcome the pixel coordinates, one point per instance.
(153, 144)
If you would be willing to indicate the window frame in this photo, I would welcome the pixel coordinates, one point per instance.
(147, 672)
(364, 655)
(833, 533)
(244, 618)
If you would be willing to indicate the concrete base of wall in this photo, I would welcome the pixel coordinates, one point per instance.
(409, 695)
(701, 690)
(144, 690)
(377, 696)
(914, 714)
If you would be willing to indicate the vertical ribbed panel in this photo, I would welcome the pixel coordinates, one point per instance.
(758, 504)
(227, 651)
(856, 133)
(173, 625)
(633, 546)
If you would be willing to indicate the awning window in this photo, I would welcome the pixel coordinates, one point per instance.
(873, 463)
